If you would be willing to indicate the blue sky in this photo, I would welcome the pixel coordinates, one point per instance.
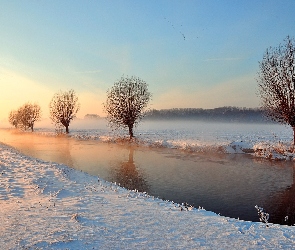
(199, 54)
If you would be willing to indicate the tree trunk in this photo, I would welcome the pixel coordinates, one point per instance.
(293, 137)
(130, 130)
(67, 129)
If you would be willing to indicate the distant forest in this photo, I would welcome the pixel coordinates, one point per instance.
(224, 114)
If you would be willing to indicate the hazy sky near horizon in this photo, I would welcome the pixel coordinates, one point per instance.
(198, 54)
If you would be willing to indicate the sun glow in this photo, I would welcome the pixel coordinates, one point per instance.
(91, 103)
(17, 89)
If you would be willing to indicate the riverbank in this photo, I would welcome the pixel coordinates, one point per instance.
(50, 206)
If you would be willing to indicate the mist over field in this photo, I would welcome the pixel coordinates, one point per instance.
(176, 116)
(227, 130)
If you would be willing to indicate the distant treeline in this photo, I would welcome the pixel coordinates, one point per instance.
(226, 114)
(92, 117)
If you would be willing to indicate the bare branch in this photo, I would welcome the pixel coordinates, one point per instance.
(126, 102)
(26, 116)
(63, 108)
(276, 83)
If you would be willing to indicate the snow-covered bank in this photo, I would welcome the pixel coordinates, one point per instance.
(50, 206)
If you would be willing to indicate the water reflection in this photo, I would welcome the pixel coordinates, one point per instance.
(283, 205)
(128, 175)
(49, 148)
(63, 156)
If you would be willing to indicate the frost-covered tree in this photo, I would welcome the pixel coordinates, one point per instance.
(63, 108)
(126, 102)
(26, 116)
(13, 118)
(276, 83)
(29, 114)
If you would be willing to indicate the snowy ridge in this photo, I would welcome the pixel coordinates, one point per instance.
(50, 206)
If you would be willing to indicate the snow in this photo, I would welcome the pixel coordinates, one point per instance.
(271, 141)
(45, 205)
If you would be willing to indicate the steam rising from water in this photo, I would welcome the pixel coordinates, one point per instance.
(189, 135)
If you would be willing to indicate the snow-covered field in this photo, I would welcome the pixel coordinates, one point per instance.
(50, 206)
(272, 141)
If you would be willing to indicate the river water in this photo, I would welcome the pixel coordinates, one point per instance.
(230, 185)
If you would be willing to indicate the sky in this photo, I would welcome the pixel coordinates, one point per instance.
(192, 54)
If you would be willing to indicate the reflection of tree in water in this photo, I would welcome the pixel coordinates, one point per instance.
(284, 205)
(63, 154)
(128, 175)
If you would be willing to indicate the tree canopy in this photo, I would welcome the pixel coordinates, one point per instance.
(276, 83)
(63, 108)
(26, 116)
(126, 102)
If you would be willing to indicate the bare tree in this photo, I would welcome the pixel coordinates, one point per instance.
(26, 116)
(276, 83)
(13, 120)
(126, 102)
(29, 114)
(63, 108)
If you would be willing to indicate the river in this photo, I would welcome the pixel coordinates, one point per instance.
(227, 184)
